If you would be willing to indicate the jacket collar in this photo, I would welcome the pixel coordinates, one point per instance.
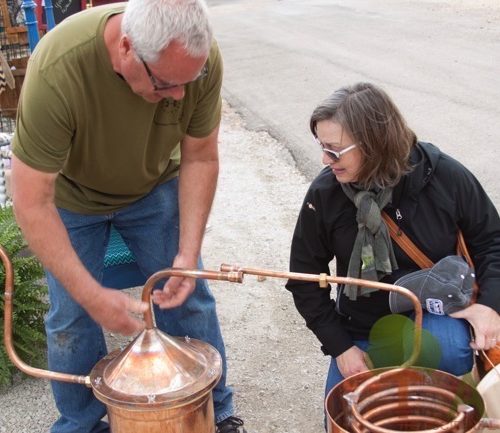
(423, 159)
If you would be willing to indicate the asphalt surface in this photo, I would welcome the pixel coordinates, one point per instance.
(439, 60)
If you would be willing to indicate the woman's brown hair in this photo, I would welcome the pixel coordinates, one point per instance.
(372, 119)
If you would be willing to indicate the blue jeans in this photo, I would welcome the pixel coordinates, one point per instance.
(451, 338)
(150, 228)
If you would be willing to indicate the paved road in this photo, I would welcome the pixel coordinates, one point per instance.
(439, 60)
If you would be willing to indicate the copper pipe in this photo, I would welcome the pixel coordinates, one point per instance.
(443, 404)
(227, 273)
(392, 394)
(232, 276)
(461, 418)
(377, 410)
(7, 334)
(323, 280)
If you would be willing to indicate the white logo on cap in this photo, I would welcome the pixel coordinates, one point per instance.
(434, 306)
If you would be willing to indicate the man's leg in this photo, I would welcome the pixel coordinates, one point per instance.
(75, 342)
(150, 228)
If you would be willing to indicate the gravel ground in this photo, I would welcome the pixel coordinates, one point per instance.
(275, 365)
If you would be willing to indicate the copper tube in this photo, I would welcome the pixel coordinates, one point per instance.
(400, 410)
(449, 417)
(7, 334)
(232, 276)
(324, 279)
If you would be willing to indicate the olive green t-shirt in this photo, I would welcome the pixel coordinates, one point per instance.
(78, 117)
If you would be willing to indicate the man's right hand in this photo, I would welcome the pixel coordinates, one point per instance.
(352, 361)
(113, 310)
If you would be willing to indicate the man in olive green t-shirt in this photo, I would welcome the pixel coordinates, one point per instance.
(117, 125)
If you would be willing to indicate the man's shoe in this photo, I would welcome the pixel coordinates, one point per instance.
(230, 425)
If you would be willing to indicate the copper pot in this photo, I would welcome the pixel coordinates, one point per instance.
(405, 399)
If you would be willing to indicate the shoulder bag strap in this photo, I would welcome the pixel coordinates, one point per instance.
(406, 244)
(414, 253)
(462, 251)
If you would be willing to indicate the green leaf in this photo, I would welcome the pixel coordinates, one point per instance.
(29, 303)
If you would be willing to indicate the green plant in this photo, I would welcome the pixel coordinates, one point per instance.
(29, 299)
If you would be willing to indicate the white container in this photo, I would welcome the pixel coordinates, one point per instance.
(489, 389)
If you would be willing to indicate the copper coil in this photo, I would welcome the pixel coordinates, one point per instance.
(386, 402)
(403, 400)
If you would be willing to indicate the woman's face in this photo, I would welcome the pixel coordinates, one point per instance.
(333, 137)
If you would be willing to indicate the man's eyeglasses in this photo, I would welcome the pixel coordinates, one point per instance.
(332, 154)
(159, 85)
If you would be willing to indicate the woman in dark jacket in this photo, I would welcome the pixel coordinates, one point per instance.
(374, 162)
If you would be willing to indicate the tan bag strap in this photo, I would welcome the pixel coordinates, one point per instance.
(406, 244)
(414, 253)
(462, 251)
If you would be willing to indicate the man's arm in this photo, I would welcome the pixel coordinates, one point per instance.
(197, 182)
(37, 216)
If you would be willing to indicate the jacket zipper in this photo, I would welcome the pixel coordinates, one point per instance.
(399, 218)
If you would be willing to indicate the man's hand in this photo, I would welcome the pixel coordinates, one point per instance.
(197, 181)
(177, 289)
(352, 361)
(486, 324)
(112, 310)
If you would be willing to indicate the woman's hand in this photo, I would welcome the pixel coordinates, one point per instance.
(352, 361)
(486, 324)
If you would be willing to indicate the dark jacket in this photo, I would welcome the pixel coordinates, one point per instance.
(438, 197)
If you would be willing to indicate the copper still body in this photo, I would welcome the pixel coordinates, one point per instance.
(161, 384)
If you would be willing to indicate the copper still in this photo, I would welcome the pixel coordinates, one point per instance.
(162, 384)
(157, 384)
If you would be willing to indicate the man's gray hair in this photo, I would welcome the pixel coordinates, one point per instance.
(151, 25)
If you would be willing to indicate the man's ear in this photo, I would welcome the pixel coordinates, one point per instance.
(124, 47)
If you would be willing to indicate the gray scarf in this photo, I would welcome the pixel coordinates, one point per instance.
(372, 256)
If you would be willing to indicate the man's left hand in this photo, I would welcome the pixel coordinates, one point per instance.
(177, 289)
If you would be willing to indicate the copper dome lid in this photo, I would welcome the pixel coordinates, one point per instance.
(156, 369)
